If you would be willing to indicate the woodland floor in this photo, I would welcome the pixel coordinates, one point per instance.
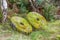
(6, 33)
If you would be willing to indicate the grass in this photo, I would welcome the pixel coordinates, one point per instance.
(7, 33)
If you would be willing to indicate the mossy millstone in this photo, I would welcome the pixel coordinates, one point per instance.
(36, 19)
(21, 24)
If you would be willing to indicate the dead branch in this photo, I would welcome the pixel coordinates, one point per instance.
(34, 5)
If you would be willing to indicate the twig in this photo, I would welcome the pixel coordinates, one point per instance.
(32, 4)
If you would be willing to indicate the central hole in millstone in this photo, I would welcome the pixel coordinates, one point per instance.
(21, 23)
(37, 19)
